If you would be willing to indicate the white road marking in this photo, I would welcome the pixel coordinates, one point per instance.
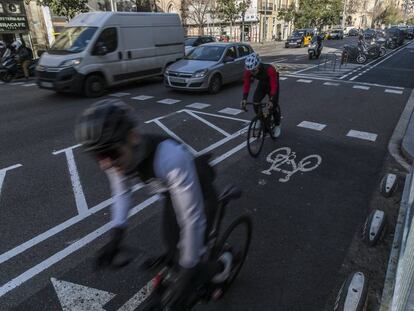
(394, 91)
(80, 298)
(120, 94)
(16, 83)
(168, 101)
(219, 116)
(198, 105)
(282, 78)
(29, 84)
(312, 125)
(57, 229)
(142, 97)
(361, 87)
(230, 111)
(304, 81)
(218, 129)
(133, 303)
(80, 200)
(362, 135)
(173, 135)
(52, 260)
(280, 60)
(3, 172)
(221, 142)
(331, 84)
(65, 149)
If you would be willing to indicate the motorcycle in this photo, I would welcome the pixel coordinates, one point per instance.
(361, 54)
(10, 69)
(315, 49)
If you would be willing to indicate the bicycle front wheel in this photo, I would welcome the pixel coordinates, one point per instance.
(236, 239)
(255, 137)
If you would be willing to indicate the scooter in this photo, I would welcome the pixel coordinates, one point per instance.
(361, 54)
(10, 69)
(315, 49)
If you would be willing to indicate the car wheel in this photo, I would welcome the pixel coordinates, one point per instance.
(94, 86)
(215, 84)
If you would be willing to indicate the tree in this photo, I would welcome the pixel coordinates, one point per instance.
(243, 7)
(387, 14)
(313, 13)
(198, 11)
(184, 13)
(228, 11)
(67, 8)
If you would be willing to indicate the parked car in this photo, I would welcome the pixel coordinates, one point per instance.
(395, 37)
(101, 49)
(369, 34)
(347, 29)
(299, 38)
(335, 34)
(353, 32)
(410, 33)
(208, 67)
(191, 43)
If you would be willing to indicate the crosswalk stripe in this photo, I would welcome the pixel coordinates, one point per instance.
(361, 87)
(230, 111)
(142, 97)
(304, 81)
(312, 125)
(331, 84)
(168, 101)
(393, 91)
(198, 105)
(362, 135)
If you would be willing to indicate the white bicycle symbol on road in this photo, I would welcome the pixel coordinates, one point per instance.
(285, 156)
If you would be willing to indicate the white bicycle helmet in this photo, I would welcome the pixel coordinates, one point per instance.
(252, 61)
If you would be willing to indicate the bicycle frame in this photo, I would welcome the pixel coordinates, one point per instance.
(263, 116)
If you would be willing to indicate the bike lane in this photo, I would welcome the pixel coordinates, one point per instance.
(302, 227)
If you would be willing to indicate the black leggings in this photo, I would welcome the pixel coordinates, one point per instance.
(262, 90)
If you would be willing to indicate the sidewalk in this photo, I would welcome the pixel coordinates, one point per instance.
(407, 145)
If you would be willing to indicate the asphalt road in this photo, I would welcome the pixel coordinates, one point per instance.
(54, 200)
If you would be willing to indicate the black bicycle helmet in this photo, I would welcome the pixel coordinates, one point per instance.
(104, 125)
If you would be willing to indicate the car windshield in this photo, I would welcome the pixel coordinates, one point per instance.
(298, 33)
(189, 41)
(73, 40)
(207, 53)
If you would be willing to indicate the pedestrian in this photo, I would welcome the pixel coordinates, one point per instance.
(24, 56)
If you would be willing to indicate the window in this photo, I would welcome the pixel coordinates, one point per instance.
(109, 38)
(243, 50)
(1, 8)
(231, 52)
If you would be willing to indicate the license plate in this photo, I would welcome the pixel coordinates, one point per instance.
(178, 80)
(46, 84)
(292, 43)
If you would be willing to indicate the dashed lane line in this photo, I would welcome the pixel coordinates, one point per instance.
(168, 101)
(142, 97)
(362, 135)
(312, 125)
(331, 84)
(361, 87)
(231, 111)
(120, 94)
(304, 81)
(198, 105)
(394, 91)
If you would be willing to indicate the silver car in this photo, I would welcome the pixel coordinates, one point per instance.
(208, 67)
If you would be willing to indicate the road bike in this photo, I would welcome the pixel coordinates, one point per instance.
(263, 123)
(236, 239)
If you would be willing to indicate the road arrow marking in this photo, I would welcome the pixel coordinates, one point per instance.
(74, 297)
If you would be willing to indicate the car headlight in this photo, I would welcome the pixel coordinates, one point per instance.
(71, 62)
(200, 73)
(299, 41)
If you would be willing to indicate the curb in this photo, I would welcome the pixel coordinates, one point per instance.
(401, 145)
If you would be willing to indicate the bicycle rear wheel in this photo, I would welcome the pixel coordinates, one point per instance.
(255, 136)
(236, 239)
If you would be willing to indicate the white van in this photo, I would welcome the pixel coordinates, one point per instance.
(101, 49)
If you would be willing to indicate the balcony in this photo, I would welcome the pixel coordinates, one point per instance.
(266, 7)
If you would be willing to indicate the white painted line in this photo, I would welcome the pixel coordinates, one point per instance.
(304, 81)
(16, 83)
(57, 229)
(331, 84)
(133, 303)
(142, 97)
(312, 125)
(29, 84)
(280, 60)
(173, 135)
(120, 94)
(394, 91)
(230, 111)
(362, 135)
(81, 298)
(219, 116)
(52, 260)
(218, 129)
(1, 82)
(198, 105)
(361, 87)
(168, 101)
(80, 200)
(3, 172)
(47, 263)
(64, 150)
(222, 142)
(282, 78)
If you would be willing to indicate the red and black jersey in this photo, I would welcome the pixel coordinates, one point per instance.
(267, 74)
